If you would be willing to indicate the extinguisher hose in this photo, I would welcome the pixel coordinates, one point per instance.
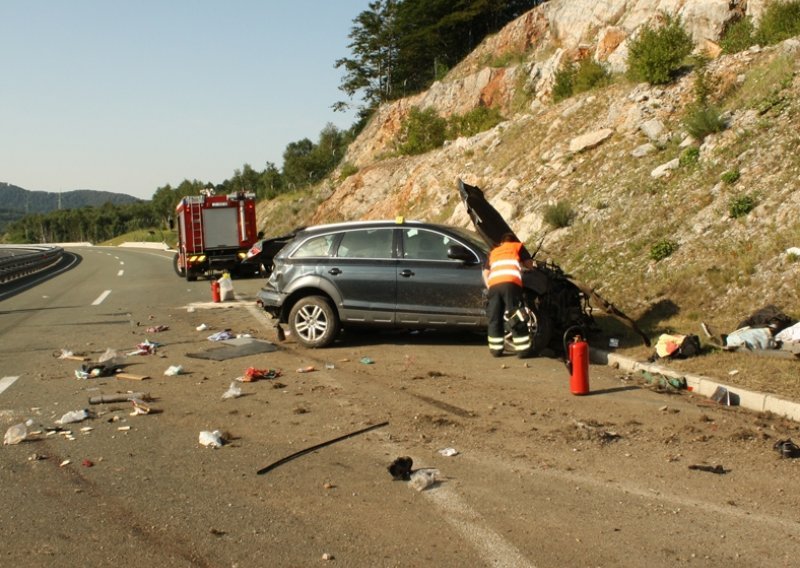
(570, 332)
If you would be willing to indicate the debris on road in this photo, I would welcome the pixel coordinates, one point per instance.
(289, 458)
(401, 468)
(157, 328)
(87, 463)
(309, 369)
(71, 356)
(234, 391)
(140, 407)
(174, 371)
(718, 469)
(251, 374)
(107, 398)
(448, 452)
(74, 416)
(725, 397)
(422, 479)
(211, 439)
(132, 377)
(147, 347)
(15, 434)
(787, 448)
(366, 361)
(202, 327)
(221, 335)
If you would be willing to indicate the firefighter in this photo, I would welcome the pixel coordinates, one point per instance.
(503, 277)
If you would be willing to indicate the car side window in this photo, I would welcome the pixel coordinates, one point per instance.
(425, 245)
(315, 247)
(366, 243)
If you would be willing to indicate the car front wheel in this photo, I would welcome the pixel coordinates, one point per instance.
(314, 322)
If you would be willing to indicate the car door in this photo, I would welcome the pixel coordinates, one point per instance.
(434, 290)
(364, 271)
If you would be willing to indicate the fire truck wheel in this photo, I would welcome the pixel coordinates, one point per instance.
(314, 322)
(178, 269)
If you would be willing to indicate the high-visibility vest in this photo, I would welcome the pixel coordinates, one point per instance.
(504, 264)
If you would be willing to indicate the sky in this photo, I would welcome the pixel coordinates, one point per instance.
(127, 97)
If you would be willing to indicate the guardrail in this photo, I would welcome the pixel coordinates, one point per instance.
(28, 260)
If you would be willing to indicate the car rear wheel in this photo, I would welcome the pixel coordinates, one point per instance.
(539, 328)
(314, 322)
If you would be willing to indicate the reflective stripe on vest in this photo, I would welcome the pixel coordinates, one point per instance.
(504, 264)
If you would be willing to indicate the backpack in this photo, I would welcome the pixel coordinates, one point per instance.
(677, 346)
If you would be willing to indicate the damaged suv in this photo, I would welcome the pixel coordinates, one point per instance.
(383, 274)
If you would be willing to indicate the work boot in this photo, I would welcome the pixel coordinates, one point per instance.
(496, 352)
(524, 354)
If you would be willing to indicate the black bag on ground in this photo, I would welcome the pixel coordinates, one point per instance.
(768, 316)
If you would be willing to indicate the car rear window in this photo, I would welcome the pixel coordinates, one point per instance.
(315, 247)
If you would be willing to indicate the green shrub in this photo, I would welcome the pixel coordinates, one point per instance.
(703, 120)
(739, 36)
(422, 131)
(689, 157)
(590, 74)
(731, 176)
(564, 84)
(741, 205)
(662, 249)
(780, 21)
(657, 54)
(477, 120)
(347, 170)
(559, 215)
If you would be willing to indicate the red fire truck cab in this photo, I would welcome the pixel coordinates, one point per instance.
(214, 234)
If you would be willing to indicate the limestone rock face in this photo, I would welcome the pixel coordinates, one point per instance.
(548, 36)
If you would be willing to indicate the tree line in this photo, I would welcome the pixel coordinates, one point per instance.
(398, 47)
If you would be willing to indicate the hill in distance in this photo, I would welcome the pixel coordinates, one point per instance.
(17, 202)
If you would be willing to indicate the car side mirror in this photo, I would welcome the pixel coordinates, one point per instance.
(462, 253)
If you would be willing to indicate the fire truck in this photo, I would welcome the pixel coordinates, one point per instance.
(214, 234)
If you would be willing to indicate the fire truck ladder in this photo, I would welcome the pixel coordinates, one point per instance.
(196, 215)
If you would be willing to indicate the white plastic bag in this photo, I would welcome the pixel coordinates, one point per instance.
(423, 478)
(211, 439)
(174, 371)
(74, 416)
(225, 287)
(16, 434)
(234, 391)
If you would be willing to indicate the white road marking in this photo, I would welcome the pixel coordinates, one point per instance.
(120, 273)
(101, 297)
(6, 382)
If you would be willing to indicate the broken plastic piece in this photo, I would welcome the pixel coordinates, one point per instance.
(74, 416)
(308, 369)
(234, 391)
(448, 452)
(201, 327)
(174, 371)
(423, 478)
(220, 336)
(366, 361)
(16, 434)
(211, 439)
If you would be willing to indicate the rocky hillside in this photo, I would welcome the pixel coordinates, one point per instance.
(614, 156)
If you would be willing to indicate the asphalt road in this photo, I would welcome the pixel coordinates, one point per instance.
(541, 477)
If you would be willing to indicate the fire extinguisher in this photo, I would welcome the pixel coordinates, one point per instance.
(578, 364)
(215, 297)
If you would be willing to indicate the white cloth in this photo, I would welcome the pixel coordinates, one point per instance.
(789, 335)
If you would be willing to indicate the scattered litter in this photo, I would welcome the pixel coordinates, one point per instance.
(308, 369)
(147, 347)
(132, 377)
(366, 361)
(787, 448)
(123, 428)
(211, 439)
(243, 336)
(157, 328)
(725, 397)
(87, 463)
(220, 336)
(67, 354)
(330, 366)
(448, 452)
(718, 469)
(422, 479)
(234, 391)
(733, 372)
(86, 429)
(202, 327)
(15, 434)
(664, 383)
(74, 416)
(240, 347)
(190, 309)
(174, 371)
(36, 457)
(140, 407)
(328, 556)
(401, 468)
(64, 463)
(282, 461)
(251, 374)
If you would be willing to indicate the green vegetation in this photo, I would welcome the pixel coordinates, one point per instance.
(559, 215)
(763, 85)
(739, 36)
(702, 120)
(657, 54)
(347, 170)
(574, 79)
(742, 204)
(663, 249)
(730, 177)
(424, 130)
(689, 157)
(780, 21)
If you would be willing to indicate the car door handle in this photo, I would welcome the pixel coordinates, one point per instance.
(406, 273)
(334, 271)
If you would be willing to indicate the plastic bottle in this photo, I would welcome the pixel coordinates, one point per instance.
(16, 434)
(74, 416)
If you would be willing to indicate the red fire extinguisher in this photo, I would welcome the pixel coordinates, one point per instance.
(215, 297)
(578, 365)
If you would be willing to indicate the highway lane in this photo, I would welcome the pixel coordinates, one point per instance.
(540, 480)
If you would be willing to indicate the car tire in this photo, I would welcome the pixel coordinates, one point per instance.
(314, 322)
(178, 269)
(540, 329)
